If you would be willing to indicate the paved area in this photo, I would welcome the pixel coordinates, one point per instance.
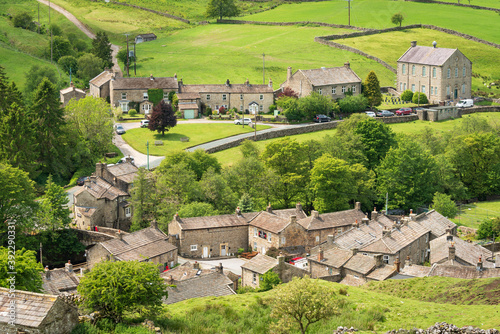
(232, 264)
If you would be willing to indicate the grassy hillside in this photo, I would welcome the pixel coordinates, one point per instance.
(377, 14)
(473, 214)
(442, 290)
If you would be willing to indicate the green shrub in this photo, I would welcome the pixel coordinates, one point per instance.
(407, 95)
(245, 289)
(24, 20)
(209, 111)
(240, 251)
(272, 108)
(132, 112)
(421, 100)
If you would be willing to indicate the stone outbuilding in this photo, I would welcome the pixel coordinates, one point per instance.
(328, 264)
(145, 38)
(333, 82)
(146, 245)
(35, 313)
(440, 73)
(99, 85)
(69, 93)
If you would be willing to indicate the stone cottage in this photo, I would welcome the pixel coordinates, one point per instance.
(189, 104)
(99, 85)
(61, 280)
(333, 82)
(69, 93)
(146, 245)
(144, 38)
(103, 199)
(35, 313)
(440, 73)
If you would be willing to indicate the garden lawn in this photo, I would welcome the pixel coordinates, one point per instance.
(377, 14)
(473, 214)
(197, 133)
(210, 54)
(390, 46)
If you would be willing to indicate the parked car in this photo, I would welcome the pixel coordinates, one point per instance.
(321, 118)
(465, 103)
(124, 159)
(144, 123)
(385, 113)
(119, 129)
(81, 180)
(403, 111)
(244, 120)
(370, 114)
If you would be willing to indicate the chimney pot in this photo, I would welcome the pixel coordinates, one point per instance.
(270, 83)
(120, 235)
(298, 206)
(397, 264)
(320, 255)
(47, 273)
(154, 224)
(288, 73)
(374, 214)
(347, 65)
(357, 206)
(69, 267)
(220, 268)
(196, 265)
(314, 214)
(269, 208)
(238, 211)
(408, 261)
(413, 44)
(177, 218)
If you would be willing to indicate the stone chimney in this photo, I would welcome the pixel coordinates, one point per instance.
(451, 251)
(269, 208)
(412, 215)
(480, 263)
(413, 44)
(355, 251)
(320, 255)
(196, 265)
(386, 232)
(170, 280)
(151, 77)
(238, 211)
(397, 264)
(288, 73)
(220, 269)
(120, 235)
(378, 260)
(293, 219)
(405, 221)
(314, 214)
(227, 83)
(357, 206)
(356, 225)
(408, 261)
(69, 267)
(270, 83)
(330, 239)
(154, 224)
(99, 169)
(281, 259)
(71, 84)
(247, 82)
(347, 65)
(365, 220)
(177, 218)
(47, 273)
(128, 159)
(175, 76)
(298, 206)
(374, 213)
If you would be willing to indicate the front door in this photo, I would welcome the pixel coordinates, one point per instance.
(205, 251)
(222, 250)
(456, 93)
(263, 251)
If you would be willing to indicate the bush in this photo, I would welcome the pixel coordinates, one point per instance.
(222, 110)
(353, 104)
(272, 108)
(118, 113)
(209, 111)
(407, 95)
(132, 112)
(245, 289)
(421, 100)
(24, 20)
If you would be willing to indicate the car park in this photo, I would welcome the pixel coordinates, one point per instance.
(385, 113)
(242, 121)
(119, 129)
(403, 111)
(144, 123)
(370, 114)
(321, 118)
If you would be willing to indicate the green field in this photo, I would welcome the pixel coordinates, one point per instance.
(390, 46)
(214, 53)
(473, 214)
(377, 14)
(198, 133)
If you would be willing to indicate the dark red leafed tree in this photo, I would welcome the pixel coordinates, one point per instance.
(288, 92)
(163, 118)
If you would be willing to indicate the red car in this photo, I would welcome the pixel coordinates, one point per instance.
(403, 111)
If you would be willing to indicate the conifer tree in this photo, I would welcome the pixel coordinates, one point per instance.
(54, 212)
(371, 90)
(246, 204)
(101, 48)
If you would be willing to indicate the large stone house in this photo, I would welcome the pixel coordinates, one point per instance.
(249, 98)
(99, 85)
(35, 313)
(442, 74)
(103, 199)
(333, 82)
(146, 245)
(130, 93)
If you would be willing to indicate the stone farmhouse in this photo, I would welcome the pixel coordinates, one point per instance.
(146, 245)
(99, 85)
(69, 93)
(102, 201)
(253, 270)
(440, 73)
(36, 313)
(249, 98)
(333, 82)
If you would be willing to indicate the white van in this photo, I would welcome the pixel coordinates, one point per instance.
(465, 103)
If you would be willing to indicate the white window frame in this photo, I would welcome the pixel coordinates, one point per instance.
(194, 248)
(449, 73)
(261, 97)
(385, 259)
(241, 96)
(413, 68)
(423, 89)
(404, 86)
(255, 233)
(255, 245)
(124, 106)
(208, 97)
(124, 96)
(283, 240)
(426, 238)
(334, 90)
(404, 68)
(165, 96)
(261, 107)
(434, 72)
(339, 230)
(269, 237)
(254, 278)
(320, 91)
(128, 212)
(401, 86)
(317, 238)
(447, 90)
(343, 89)
(424, 71)
(413, 88)
(432, 90)
(241, 108)
(145, 96)
(224, 97)
(463, 88)
(146, 108)
(353, 88)
(456, 72)
(464, 71)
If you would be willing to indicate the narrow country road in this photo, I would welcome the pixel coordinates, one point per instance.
(86, 31)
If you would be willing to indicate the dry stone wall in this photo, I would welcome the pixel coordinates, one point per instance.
(321, 24)
(457, 4)
(152, 11)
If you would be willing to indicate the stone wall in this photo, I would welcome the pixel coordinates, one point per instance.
(153, 11)
(321, 24)
(287, 271)
(89, 238)
(473, 110)
(457, 4)
(233, 237)
(321, 270)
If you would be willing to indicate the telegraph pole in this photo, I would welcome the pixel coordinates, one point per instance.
(50, 29)
(349, 11)
(38, 18)
(128, 60)
(263, 69)
(135, 58)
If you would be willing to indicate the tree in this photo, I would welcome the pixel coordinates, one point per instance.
(269, 280)
(115, 288)
(163, 118)
(68, 63)
(304, 301)
(54, 212)
(353, 104)
(122, 57)
(24, 20)
(198, 161)
(245, 203)
(288, 92)
(28, 272)
(249, 149)
(89, 66)
(221, 8)
(216, 191)
(60, 47)
(17, 198)
(443, 204)
(420, 98)
(407, 95)
(35, 76)
(56, 30)
(89, 120)
(371, 90)
(101, 48)
(290, 107)
(197, 209)
(397, 18)
(489, 229)
(317, 104)
(142, 199)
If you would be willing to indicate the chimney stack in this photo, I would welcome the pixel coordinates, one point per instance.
(177, 218)
(220, 269)
(151, 77)
(378, 260)
(408, 261)
(288, 73)
(281, 259)
(347, 65)
(355, 224)
(413, 44)
(270, 83)
(154, 224)
(314, 214)
(99, 169)
(196, 265)
(247, 82)
(480, 263)
(374, 213)
(170, 280)
(175, 76)
(293, 219)
(69, 267)
(238, 211)
(397, 264)
(355, 251)
(47, 273)
(330, 239)
(386, 232)
(227, 83)
(128, 159)
(120, 235)
(320, 255)
(365, 220)
(357, 206)
(412, 215)
(269, 208)
(298, 206)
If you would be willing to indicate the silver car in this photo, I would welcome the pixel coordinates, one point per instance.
(244, 120)
(119, 129)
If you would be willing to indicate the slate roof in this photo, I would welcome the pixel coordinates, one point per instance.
(125, 171)
(229, 89)
(332, 219)
(140, 245)
(229, 220)
(60, 281)
(415, 270)
(330, 76)
(183, 106)
(99, 188)
(382, 273)
(150, 35)
(260, 264)
(352, 281)
(334, 257)
(145, 83)
(85, 211)
(101, 78)
(70, 89)
(436, 222)
(31, 308)
(427, 55)
(214, 284)
(185, 271)
(463, 272)
(270, 222)
(287, 213)
(465, 251)
(188, 96)
(360, 236)
(360, 263)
